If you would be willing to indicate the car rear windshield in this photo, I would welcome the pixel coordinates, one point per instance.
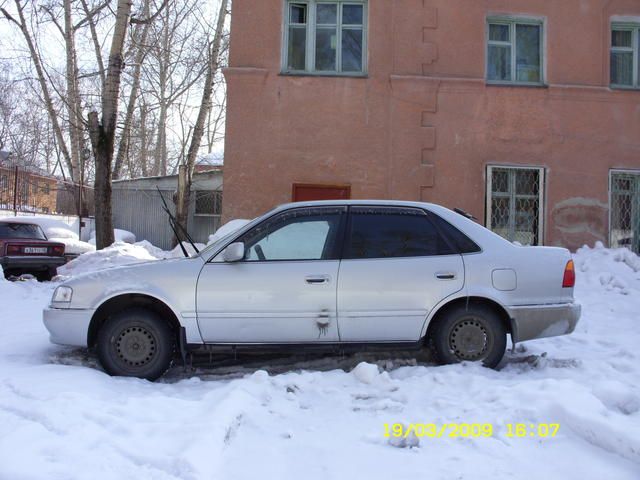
(462, 243)
(21, 230)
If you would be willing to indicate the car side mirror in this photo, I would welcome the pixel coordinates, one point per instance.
(234, 252)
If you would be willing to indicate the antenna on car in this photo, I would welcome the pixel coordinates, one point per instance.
(465, 214)
(173, 224)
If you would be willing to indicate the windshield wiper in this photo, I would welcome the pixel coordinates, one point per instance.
(173, 224)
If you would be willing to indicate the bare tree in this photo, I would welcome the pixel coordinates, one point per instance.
(186, 172)
(140, 39)
(103, 131)
(41, 77)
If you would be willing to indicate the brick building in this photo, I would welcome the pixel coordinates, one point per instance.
(27, 191)
(526, 113)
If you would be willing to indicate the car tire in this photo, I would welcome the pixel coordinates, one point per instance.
(136, 343)
(46, 275)
(473, 333)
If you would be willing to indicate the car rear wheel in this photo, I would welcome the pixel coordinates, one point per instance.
(473, 334)
(136, 343)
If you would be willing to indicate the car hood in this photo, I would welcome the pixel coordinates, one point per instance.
(162, 279)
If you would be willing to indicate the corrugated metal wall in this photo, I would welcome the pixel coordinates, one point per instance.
(140, 212)
(137, 207)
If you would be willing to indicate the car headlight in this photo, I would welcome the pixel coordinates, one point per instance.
(62, 294)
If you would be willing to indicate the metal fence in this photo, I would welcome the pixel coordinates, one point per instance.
(625, 210)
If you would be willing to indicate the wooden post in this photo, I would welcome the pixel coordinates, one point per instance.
(183, 185)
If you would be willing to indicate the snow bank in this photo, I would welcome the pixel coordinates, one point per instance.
(116, 255)
(119, 236)
(271, 418)
(617, 270)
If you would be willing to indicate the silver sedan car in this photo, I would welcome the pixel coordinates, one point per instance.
(334, 275)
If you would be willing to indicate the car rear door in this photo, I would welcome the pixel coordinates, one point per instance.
(284, 291)
(396, 267)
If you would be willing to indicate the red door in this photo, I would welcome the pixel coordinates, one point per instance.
(303, 192)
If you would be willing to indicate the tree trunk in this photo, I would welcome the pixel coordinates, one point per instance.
(96, 43)
(125, 137)
(73, 98)
(182, 208)
(102, 133)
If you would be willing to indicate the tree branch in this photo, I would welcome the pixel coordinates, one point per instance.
(90, 14)
(136, 21)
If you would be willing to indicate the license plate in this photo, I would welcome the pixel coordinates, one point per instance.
(35, 249)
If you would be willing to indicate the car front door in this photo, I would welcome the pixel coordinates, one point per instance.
(396, 267)
(284, 290)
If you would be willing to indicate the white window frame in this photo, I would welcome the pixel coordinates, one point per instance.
(634, 28)
(512, 21)
(541, 195)
(311, 39)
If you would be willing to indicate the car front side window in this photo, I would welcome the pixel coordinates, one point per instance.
(301, 234)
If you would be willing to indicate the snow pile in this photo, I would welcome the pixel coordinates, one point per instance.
(119, 236)
(271, 418)
(226, 229)
(617, 270)
(116, 255)
(59, 231)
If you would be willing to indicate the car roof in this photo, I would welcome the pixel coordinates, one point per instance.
(386, 203)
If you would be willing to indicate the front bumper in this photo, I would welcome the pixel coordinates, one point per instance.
(542, 321)
(68, 326)
(31, 263)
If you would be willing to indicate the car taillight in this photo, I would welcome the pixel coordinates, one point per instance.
(57, 250)
(13, 250)
(569, 279)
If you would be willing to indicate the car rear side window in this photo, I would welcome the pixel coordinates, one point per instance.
(376, 232)
(462, 243)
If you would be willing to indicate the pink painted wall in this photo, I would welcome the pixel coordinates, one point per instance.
(424, 124)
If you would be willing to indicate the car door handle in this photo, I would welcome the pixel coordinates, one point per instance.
(445, 275)
(317, 279)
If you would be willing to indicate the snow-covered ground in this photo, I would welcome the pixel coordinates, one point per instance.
(323, 418)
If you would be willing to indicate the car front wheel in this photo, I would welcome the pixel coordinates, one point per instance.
(473, 333)
(136, 343)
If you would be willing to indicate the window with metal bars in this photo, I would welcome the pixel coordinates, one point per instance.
(208, 202)
(514, 203)
(624, 208)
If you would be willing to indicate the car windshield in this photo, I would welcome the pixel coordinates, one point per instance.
(21, 230)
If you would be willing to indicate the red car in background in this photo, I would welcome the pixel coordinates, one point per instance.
(24, 248)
